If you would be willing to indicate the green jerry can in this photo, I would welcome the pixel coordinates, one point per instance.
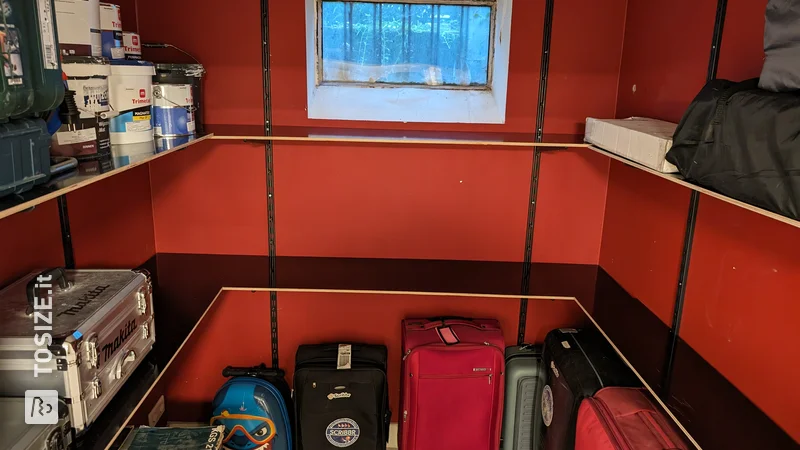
(41, 56)
(16, 90)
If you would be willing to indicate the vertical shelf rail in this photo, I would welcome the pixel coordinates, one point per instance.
(691, 221)
(66, 234)
(268, 153)
(537, 160)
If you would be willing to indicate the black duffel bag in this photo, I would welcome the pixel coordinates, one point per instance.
(743, 142)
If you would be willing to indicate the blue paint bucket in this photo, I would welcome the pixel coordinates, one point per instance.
(173, 110)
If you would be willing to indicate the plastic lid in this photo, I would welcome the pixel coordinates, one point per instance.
(132, 67)
(86, 66)
(189, 70)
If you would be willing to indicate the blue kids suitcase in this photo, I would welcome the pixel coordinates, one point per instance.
(254, 407)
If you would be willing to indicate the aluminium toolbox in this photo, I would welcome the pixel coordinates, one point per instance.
(18, 435)
(81, 333)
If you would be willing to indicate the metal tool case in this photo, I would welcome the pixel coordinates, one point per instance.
(79, 332)
(17, 435)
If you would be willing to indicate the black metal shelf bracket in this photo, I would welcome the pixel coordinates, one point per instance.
(268, 154)
(66, 234)
(691, 222)
(544, 69)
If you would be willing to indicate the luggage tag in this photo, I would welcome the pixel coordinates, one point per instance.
(343, 360)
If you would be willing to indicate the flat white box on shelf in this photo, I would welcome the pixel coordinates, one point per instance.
(639, 139)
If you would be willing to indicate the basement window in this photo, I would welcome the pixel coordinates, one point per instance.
(419, 61)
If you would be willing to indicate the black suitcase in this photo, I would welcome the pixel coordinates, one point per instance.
(341, 397)
(579, 363)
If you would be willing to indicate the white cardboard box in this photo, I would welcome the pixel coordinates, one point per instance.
(639, 139)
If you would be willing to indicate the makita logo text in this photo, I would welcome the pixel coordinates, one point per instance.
(124, 333)
(84, 300)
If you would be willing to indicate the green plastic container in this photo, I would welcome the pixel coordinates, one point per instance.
(41, 53)
(16, 88)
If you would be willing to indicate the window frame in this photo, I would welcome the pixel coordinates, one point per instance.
(408, 104)
(318, 62)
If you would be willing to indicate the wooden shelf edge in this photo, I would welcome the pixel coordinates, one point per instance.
(677, 179)
(91, 180)
(397, 292)
(400, 141)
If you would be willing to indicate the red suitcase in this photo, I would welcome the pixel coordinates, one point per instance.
(625, 419)
(452, 387)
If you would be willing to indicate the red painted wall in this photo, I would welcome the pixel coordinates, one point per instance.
(454, 203)
(30, 240)
(112, 221)
(211, 199)
(738, 311)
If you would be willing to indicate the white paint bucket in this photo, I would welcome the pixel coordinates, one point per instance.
(111, 31)
(79, 27)
(127, 154)
(130, 94)
(132, 44)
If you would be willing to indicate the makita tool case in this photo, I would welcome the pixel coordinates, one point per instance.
(79, 332)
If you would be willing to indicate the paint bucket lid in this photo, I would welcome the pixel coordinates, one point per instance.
(132, 67)
(188, 70)
(86, 66)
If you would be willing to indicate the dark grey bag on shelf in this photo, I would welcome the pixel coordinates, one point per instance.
(743, 142)
(781, 72)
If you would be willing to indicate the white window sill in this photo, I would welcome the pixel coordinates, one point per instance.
(385, 104)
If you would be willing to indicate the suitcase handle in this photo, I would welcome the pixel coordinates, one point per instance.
(438, 322)
(261, 371)
(56, 275)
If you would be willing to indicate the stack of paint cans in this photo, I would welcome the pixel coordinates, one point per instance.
(86, 136)
(111, 88)
(111, 31)
(176, 104)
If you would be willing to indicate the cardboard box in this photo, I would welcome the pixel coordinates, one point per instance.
(639, 139)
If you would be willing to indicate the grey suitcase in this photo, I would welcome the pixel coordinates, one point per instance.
(81, 333)
(522, 417)
(17, 435)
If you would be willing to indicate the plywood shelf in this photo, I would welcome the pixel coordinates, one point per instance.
(677, 179)
(393, 137)
(65, 184)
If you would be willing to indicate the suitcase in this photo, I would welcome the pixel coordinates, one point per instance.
(90, 334)
(341, 397)
(625, 419)
(452, 384)
(579, 363)
(254, 406)
(17, 435)
(522, 415)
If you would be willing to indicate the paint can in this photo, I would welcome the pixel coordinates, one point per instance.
(127, 154)
(111, 31)
(168, 143)
(132, 45)
(88, 138)
(130, 95)
(79, 27)
(183, 74)
(173, 110)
